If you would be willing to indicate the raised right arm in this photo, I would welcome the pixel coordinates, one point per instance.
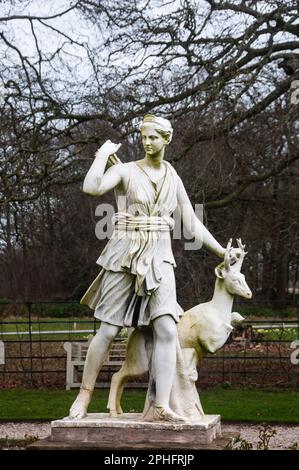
(97, 182)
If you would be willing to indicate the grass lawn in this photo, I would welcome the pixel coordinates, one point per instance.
(232, 404)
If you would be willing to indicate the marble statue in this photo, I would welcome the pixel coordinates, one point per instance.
(203, 329)
(136, 284)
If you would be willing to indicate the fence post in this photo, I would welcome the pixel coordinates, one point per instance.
(2, 353)
(29, 305)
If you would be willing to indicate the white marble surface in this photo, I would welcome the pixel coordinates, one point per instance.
(135, 420)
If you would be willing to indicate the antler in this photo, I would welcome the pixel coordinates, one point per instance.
(239, 242)
(239, 255)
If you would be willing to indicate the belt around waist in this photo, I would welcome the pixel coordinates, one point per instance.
(144, 223)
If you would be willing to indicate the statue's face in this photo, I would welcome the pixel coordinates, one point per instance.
(152, 141)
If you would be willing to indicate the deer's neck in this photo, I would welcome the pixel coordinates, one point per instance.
(222, 300)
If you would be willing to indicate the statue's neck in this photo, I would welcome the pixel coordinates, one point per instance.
(155, 161)
(222, 299)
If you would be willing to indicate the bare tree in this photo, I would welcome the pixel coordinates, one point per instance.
(224, 72)
(213, 63)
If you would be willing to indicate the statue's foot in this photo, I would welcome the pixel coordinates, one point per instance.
(119, 410)
(79, 407)
(114, 414)
(162, 413)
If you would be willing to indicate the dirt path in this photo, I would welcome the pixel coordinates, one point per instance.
(285, 437)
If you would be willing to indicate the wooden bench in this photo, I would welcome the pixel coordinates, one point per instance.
(2, 353)
(76, 354)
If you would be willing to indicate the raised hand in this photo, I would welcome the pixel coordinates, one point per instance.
(107, 149)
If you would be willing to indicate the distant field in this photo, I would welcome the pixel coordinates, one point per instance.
(279, 334)
(78, 328)
(40, 329)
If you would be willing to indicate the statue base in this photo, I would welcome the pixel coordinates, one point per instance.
(130, 431)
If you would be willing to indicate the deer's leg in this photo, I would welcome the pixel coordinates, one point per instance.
(135, 365)
(116, 388)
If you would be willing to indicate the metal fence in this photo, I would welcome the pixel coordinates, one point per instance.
(35, 356)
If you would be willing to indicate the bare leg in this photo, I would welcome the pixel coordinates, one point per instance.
(96, 355)
(164, 362)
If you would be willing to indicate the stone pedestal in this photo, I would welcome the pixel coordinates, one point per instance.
(130, 431)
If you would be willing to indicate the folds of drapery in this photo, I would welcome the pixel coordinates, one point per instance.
(144, 233)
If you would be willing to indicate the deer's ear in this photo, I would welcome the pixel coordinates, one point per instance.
(219, 272)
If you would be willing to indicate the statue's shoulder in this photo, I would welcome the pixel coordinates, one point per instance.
(173, 172)
(171, 167)
(128, 165)
(124, 168)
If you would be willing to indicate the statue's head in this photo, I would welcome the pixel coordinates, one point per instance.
(230, 273)
(157, 124)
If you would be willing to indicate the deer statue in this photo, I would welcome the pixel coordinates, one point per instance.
(203, 329)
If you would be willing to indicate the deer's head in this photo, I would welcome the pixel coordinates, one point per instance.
(230, 271)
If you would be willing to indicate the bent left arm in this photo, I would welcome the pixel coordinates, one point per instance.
(193, 225)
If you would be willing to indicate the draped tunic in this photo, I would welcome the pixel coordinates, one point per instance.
(140, 246)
